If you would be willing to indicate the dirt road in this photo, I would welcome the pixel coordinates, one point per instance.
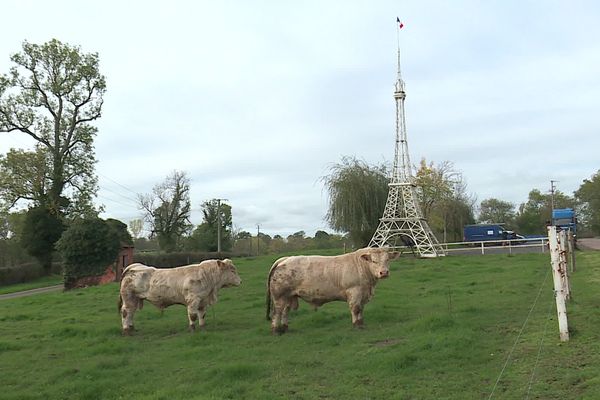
(31, 292)
(589, 243)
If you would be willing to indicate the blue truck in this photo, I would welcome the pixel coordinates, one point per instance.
(488, 232)
(565, 218)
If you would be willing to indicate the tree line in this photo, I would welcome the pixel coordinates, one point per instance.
(358, 192)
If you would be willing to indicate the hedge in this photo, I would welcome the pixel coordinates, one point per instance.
(172, 260)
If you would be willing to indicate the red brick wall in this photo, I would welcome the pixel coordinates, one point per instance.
(113, 272)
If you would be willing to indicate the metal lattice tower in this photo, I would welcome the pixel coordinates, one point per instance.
(402, 222)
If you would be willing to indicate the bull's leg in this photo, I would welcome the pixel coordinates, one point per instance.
(202, 314)
(285, 312)
(279, 305)
(130, 305)
(355, 302)
(357, 314)
(193, 314)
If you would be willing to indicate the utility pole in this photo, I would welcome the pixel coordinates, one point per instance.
(258, 240)
(552, 187)
(219, 224)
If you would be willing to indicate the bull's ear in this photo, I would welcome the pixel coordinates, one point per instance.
(394, 255)
(220, 263)
(366, 257)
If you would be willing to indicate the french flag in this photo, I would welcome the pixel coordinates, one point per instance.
(400, 24)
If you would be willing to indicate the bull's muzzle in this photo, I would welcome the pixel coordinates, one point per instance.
(384, 273)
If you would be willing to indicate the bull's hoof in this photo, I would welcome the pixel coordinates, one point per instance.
(279, 330)
(128, 331)
(192, 328)
(358, 324)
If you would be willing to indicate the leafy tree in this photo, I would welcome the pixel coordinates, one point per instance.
(205, 235)
(588, 198)
(321, 239)
(23, 176)
(298, 241)
(88, 247)
(41, 229)
(4, 226)
(537, 211)
(120, 230)
(243, 235)
(167, 210)
(494, 210)
(277, 245)
(458, 212)
(434, 184)
(357, 196)
(51, 94)
(442, 195)
(242, 242)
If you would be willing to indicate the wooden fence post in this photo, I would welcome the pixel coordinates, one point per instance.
(558, 274)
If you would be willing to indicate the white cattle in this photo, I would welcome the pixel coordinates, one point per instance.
(195, 286)
(319, 279)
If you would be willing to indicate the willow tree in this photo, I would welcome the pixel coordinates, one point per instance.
(51, 94)
(357, 196)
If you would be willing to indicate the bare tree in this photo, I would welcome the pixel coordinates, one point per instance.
(167, 210)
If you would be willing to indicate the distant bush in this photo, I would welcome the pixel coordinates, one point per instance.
(12, 254)
(171, 260)
(88, 247)
(25, 273)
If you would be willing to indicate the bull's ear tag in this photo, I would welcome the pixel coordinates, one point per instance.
(366, 257)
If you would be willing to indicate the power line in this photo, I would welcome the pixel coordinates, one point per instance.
(119, 194)
(115, 201)
(117, 183)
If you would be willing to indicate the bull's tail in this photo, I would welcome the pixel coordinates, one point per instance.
(269, 300)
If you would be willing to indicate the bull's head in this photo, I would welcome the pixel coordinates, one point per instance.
(230, 275)
(378, 261)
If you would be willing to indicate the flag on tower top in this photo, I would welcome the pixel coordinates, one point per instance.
(400, 24)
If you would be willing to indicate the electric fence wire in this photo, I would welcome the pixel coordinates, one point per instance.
(537, 360)
(508, 357)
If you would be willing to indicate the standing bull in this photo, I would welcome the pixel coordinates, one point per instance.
(195, 286)
(319, 279)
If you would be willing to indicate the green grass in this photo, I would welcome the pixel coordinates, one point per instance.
(35, 284)
(436, 329)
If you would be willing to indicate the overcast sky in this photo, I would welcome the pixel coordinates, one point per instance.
(255, 100)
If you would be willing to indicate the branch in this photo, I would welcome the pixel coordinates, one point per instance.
(45, 97)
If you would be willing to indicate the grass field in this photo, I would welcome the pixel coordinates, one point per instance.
(436, 329)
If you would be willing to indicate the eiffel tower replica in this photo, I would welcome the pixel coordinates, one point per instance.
(402, 223)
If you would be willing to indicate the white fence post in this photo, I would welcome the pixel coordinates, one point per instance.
(558, 274)
(564, 265)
